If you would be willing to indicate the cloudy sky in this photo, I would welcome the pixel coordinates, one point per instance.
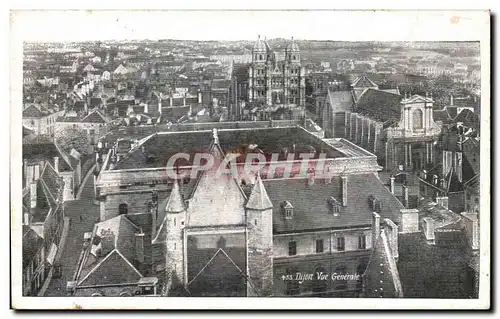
(244, 25)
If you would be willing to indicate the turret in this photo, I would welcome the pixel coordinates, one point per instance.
(260, 241)
(175, 218)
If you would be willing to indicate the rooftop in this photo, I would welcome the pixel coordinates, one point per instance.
(311, 207)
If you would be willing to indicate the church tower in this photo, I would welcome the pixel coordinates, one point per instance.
(258, 72)
(175, 221)
(260, 241)
(294, 75)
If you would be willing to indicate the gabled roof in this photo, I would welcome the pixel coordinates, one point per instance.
(32, 111)
(220, 276)
(380, 105)
(94, 117)
(113, 269)
(363, 82)
(41, 148)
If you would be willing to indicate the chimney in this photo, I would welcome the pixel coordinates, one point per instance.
(438, 200)
(458, 165)
(159, 105)
(344, 190)
(405, 196)
(33, 195)
(56, 164)
(107, 242)
(27, 218)
(146, 108)
(25, 167)
(36, 174)
(435, 179)
(391, 183)
(451, 99)
(199, 97)
(171, 101)
(139, 246)
(310, 179)
(375, 228)
(409, 220)
(429, 230)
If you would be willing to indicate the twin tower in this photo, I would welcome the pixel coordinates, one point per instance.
(276, 79)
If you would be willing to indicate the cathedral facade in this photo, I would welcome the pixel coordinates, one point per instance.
(274, 81)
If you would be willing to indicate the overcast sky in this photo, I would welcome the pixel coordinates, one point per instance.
(243, 25)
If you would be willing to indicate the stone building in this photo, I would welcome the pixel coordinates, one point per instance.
(401, 131)
(261, 230)
(272, 81)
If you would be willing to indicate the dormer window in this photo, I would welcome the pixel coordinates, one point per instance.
(334, 206)
(287, 208)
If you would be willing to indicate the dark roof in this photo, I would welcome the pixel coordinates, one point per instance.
(159, 147)
(32, 111)
(311, 208)
(240, 71)
(428, 271)
(43, 149)
(469, 118)
(31, 244)
(380, 105)
(441, 115)
(453, 183)
(94, 117)
(95, 101)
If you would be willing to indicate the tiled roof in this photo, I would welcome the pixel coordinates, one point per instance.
(426, 271)
(311, 208)
(94, 117)
(379, 105)
(32, 111)
(441, 115)
(43, 149)
(340, 100)
(159, 147)
(27, 131)
(217, 274)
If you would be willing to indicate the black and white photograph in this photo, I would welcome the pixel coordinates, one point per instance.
(191, 153)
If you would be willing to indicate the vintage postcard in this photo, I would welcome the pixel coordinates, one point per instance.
(169, 157)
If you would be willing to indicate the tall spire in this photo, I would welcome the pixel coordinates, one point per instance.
(175, 202)
(258, 199)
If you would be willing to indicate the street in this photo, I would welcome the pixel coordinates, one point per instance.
(83, 213)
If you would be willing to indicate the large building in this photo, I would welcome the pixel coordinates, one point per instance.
(272, 81)
(260, 231)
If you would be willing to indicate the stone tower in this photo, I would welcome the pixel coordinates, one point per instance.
(258, 72)
(294, 75)
(260, 241)
(175, 222)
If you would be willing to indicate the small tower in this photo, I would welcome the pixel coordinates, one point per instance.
(292, 52)
(260, 241)
(259, 51)
(175, 221)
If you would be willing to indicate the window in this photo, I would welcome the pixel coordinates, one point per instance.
(319, 246)
(292, 287)
(288, 213)
(292, 248)
(255, 222)
(418, 119)
(341, 284)
(123, 209)
(362, 242)
(175, 222)
(340, 243)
